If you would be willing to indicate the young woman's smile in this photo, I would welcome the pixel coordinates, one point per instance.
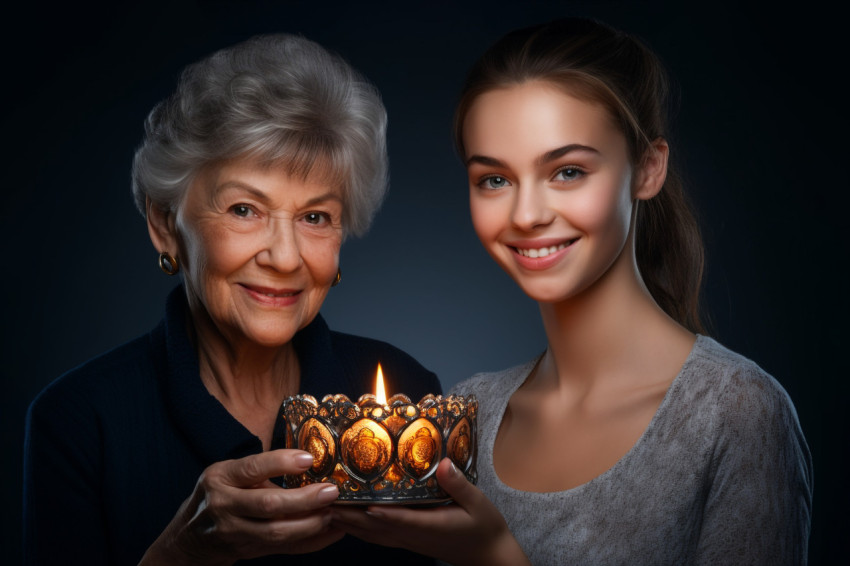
(550, 187)
(542, 253)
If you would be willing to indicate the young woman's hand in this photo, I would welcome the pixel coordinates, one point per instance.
(235, 512)
(469, 532)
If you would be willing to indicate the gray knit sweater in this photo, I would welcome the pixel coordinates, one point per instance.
(722, 475)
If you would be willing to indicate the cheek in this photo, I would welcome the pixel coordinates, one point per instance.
(223, 256)
(602, 211)
(212, 251)
(486, 218)
(321, 257)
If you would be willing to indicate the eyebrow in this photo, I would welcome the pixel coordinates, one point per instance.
(256, 193)
(561, 151)
(483, 160)
(264, 198)
(323, 198)
(545, 158)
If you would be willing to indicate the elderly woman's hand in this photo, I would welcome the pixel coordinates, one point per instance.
(235, 512)
(469, 532)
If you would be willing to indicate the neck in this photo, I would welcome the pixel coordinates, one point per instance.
(249, 379)
(608, 330)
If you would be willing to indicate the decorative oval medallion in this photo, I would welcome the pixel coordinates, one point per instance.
(366, 449)
(419, 448)
(316, 439)
(460, 445)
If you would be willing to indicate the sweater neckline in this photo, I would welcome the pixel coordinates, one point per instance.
(522, 372)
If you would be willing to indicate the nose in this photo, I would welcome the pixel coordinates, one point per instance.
(280, 250)
(530, 208)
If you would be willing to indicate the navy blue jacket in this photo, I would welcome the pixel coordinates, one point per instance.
(114, 446)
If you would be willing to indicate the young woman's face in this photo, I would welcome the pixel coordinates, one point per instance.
(260, 249)
(550, 187)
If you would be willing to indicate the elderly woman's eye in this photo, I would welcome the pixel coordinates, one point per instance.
(242, 210)
(316, 218)
(493, 182)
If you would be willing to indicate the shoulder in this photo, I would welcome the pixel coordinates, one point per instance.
(720, 360)
(359, 353)
(750, 412)
(759, 465)
(736, 384)
(104, 380)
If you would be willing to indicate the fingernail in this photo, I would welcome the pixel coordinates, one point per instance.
(452, 468)
(304, 459)
(377, 514)
(328, 494)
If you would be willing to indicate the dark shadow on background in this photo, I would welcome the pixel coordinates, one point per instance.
(760, 133)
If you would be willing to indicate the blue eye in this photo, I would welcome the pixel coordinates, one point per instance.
(569, 173)
(494, 182)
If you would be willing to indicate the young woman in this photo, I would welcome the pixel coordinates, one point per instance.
(633, 438)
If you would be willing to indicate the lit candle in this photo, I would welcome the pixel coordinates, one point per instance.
(381, 450)
(380, 392)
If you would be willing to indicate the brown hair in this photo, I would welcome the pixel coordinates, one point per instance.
(594, 62)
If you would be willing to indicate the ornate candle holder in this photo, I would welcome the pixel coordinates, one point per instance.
(382, 453)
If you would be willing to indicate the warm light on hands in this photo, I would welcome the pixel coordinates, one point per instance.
(235, 512)
(469, 532)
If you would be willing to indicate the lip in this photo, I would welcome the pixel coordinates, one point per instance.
(272, 296)
(544, 262)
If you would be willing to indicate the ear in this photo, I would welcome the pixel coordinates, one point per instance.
(161, 227)
(653, 170)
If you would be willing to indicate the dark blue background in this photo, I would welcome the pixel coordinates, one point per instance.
(760, 132)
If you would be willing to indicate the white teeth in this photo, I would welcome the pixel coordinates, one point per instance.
(541, 252)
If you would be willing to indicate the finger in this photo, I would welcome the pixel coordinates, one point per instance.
(253, 538)
(466, 497)
(421, 530)
(345, 516)
(370, 535)
(276, 502)
(452, 480)
(258, 468)
(381, 523)
(357, 523)
(312, 543)
(283, 532)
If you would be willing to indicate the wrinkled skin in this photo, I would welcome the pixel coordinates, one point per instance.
(235, 512)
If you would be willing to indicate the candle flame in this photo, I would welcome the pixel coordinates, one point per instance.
(380, 392)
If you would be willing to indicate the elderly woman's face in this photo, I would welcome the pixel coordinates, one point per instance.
(260, 249)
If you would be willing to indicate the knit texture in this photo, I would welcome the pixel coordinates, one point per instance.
(722, 475)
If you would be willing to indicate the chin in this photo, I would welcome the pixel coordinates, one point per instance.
(271, 337)
(551, 298)
(555, 290)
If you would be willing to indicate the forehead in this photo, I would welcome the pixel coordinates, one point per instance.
(270, 180)
(536, 117)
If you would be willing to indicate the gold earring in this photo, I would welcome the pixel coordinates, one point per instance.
(338, 277)
(168, 263)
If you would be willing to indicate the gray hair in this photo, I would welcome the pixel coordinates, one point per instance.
(279, 99)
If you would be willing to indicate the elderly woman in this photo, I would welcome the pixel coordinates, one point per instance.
(169, 449)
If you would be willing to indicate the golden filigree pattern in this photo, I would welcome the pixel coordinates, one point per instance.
(380, 453)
